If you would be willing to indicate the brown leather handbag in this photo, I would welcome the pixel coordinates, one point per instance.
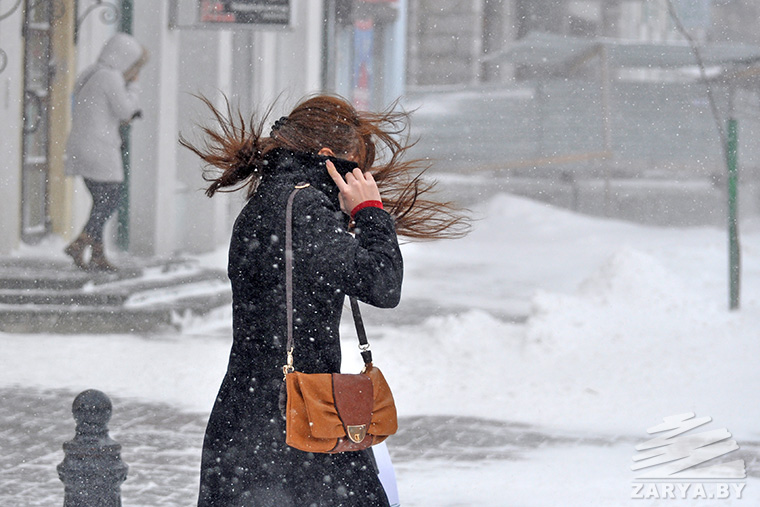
(333, 412)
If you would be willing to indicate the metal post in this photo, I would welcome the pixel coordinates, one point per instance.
(92, 470)
(605, 78)
(125, 25)
(606, 115)
(734, 255)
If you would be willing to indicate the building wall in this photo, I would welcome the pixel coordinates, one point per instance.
(736, 20)
(450, 41)
(169, 212)
(456, 42)
(444, 38)
(60, 187)
(153, 186)
(201, 221)
(11, 94)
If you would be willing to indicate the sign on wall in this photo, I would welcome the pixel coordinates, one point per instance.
(261, 14)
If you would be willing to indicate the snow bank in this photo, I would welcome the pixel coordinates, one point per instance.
(627, 324)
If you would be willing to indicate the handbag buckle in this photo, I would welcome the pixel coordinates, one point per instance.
(288, 368)
(356, 433)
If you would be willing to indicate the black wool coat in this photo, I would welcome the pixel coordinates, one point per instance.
(245, 460)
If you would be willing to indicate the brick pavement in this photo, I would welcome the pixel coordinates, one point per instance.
(162, 446)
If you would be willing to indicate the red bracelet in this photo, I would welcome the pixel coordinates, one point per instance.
(366, 204)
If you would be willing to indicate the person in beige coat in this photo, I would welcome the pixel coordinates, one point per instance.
(105, 96)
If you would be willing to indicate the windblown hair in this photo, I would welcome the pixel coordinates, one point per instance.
(234, 152)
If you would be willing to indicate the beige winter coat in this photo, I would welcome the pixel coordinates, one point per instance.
(102, 100)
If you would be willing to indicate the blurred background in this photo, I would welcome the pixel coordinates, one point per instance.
(605, 147)
(617, 108)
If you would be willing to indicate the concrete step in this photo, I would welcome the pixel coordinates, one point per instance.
(48, 296)
(40, 295)
(81, 319)
(34, 273)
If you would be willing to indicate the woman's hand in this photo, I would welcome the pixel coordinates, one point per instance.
(357, 188)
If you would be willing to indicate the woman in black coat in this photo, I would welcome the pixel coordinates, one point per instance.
(331, 147)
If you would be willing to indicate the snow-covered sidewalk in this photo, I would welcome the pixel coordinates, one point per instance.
(626, 325)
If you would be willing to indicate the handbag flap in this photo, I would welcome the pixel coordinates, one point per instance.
(316, 390)
(353, 398)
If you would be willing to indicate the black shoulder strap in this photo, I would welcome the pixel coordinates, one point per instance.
(358, 323)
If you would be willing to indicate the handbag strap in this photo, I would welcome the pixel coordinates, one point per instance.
(355, 312)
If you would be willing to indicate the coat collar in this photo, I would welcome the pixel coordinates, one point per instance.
(297, 167)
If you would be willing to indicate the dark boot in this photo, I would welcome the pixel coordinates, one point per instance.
(98, 261)
(76, 250)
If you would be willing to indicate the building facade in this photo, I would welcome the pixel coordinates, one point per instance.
(457, 42)
(267, 51)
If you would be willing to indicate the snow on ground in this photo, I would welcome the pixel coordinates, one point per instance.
(626, 324)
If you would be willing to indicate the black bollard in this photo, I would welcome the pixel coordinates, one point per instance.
(92, 470)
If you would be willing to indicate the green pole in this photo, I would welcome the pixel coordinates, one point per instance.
(734, 255)
(125, 25)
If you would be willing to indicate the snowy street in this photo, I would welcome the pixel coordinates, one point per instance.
(594, 340)
(527, 361)
(160, 445)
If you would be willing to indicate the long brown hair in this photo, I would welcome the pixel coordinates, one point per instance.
(234, 152)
